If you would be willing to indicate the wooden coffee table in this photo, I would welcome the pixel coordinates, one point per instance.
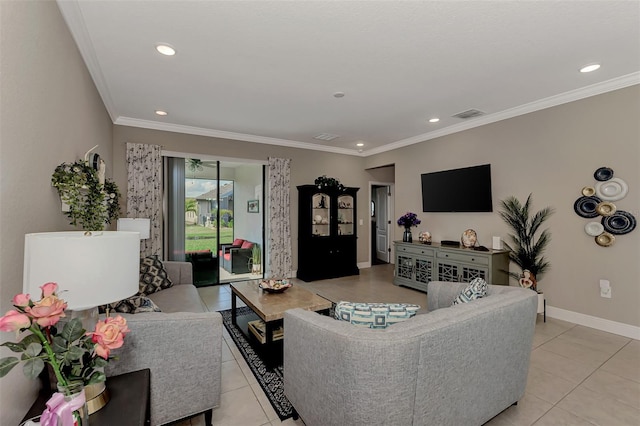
(270, 307)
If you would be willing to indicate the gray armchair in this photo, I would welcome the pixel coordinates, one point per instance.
(182, 345)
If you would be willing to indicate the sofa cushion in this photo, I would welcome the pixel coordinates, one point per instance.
(374, 315)
(153, 276)
(179, 298)
(475, 290)
(133, 305)
(247, 245)
(237, 242)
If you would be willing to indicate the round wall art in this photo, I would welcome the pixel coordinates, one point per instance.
(596, 202)
(586, 206)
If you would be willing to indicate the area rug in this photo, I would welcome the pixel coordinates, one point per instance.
(271, 378)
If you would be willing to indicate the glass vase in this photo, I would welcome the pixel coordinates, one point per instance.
(406, 236)
(74, 395)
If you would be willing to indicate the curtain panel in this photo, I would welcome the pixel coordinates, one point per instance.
(144, 192)
(279, 217)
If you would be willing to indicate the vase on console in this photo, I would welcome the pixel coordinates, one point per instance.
(406, 236)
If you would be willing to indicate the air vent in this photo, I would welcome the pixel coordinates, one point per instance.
(326, 137)
(470, 113)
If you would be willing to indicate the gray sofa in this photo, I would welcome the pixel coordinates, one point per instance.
(459, 365)
(182, 345)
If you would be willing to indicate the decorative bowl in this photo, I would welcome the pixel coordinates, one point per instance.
(274, 286)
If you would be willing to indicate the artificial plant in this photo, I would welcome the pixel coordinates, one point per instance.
(526, 250)
(92, 205)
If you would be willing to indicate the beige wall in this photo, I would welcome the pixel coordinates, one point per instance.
(50, 113)
(306, 166)
(551, 153)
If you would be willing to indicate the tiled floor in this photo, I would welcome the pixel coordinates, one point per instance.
(577, 375)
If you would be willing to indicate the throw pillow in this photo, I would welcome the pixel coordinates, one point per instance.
(153, 276)
(237, 242)
(475, 290)
(374, 315)
(133, 305)
(247, 245)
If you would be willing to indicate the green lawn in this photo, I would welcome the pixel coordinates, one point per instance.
(203, 238)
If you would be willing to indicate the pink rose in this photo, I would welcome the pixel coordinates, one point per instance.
(47, 311)
(21, 300)
(109, 334)
(14, 321)
(48, 289)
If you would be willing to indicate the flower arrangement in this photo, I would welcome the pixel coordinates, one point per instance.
(408, 220)
(74, 354)
(91, 203)
(326, 182)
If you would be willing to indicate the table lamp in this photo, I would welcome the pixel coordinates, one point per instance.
(91, 269)
(140, 225)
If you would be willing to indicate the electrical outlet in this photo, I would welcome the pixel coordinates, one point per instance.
(605, 289)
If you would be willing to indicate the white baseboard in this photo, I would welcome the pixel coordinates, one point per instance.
(362, 265)
(602, 324)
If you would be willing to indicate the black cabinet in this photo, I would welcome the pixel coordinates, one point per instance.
(327, 240)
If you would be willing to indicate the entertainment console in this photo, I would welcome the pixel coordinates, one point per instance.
(417, 264)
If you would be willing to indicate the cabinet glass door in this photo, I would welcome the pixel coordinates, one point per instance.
(321, 217)
(424, 270)
(404, 266)
(345, 215)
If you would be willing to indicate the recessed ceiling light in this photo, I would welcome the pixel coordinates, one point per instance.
(360, 144)
(338, 95)
(434, 120)
(165, 49)
(160, 112)
(589, 68)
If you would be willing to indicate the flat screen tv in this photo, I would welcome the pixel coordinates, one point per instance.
(458, 190)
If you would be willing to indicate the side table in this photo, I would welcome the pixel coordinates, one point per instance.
(128, 406)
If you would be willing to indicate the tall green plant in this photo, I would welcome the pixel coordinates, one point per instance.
(525, 250)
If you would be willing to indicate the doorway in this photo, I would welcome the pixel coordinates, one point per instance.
(215, 217)
(381, 203)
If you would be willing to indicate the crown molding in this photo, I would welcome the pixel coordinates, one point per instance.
(72, 15)
(563, 98)
(200, 131)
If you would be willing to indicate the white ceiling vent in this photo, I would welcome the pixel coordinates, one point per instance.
(470, 113)
(326, 137)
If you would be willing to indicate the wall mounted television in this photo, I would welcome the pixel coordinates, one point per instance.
(458, 190)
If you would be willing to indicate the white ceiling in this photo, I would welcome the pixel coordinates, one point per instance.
(266, 71)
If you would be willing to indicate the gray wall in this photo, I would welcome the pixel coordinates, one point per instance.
(50, 113)
(551, 153)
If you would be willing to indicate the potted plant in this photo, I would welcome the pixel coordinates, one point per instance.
(89, 203)
(256, 259)
(526, 250)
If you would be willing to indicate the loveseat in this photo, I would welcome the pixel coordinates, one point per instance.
(182, 345)
(454, 365)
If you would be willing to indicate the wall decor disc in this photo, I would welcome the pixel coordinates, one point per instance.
(619, 223)
(605, 239)
(588, 191)
(612, 190)
(594, 229)
(606, 208)
(586, 206)
(603, 173)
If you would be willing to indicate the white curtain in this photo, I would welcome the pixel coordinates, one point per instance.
(279, 217)
(144, 192)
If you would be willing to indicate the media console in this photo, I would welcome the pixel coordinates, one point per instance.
(417, 264)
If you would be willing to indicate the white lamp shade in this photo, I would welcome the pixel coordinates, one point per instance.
(142, 226)
(90, 269)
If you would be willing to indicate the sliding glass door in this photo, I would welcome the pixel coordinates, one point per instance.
(215, 218)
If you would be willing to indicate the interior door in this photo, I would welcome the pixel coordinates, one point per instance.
(382, 224)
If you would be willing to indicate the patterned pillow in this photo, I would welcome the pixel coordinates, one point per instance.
(153, 276)
(475, 290)
(133, 305)
(374, 315)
